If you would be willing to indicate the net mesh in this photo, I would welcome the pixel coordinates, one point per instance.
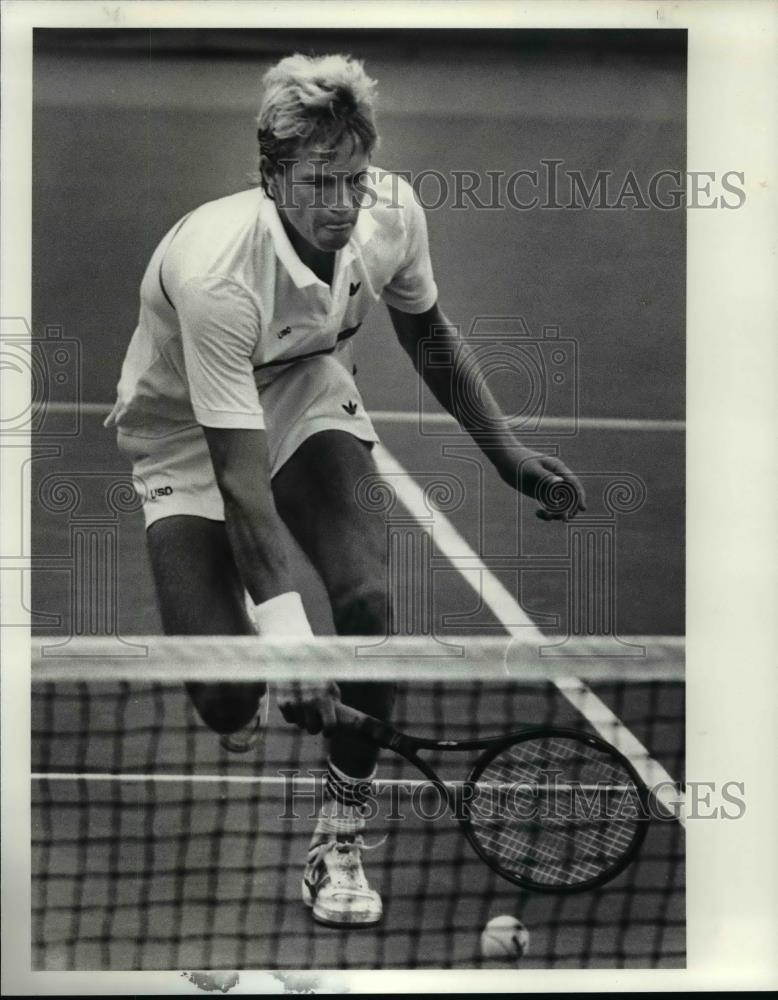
(154, 848)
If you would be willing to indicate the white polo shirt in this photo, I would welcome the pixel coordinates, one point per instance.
(226, 304)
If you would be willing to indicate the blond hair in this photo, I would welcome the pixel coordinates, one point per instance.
(316, 102)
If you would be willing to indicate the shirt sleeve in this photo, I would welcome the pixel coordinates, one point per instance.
(220, 326)
(412, 288)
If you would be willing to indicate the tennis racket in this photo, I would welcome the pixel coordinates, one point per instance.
(550, 809)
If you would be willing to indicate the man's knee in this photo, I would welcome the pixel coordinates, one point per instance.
(362, 611)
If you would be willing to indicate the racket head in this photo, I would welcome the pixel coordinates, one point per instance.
(555, 810)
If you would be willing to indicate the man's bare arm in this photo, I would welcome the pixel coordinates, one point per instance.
(542, 477)
(242, 467)
(241, 464)
(411, 329)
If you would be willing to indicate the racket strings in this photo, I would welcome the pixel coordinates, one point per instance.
(555, 811)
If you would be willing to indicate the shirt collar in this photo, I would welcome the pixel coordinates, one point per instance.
(364, 229)
(300, 274)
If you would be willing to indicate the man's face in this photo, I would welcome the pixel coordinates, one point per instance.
(318, 195)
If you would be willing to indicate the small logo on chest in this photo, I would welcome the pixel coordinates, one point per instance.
(284, 333)
(353, 287)
(350, 407)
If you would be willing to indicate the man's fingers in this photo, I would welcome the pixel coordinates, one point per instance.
(561, 494)
(312, 717)
(561, 470)
(557, 496)
(578, 486)
(311, 707)
(328, 717)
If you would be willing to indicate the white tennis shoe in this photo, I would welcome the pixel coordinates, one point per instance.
(334, 883)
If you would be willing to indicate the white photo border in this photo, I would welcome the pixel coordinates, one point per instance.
(732, 688)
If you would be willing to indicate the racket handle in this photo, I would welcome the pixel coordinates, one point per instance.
(377, 732)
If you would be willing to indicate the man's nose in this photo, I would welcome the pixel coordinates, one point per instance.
(346, 198)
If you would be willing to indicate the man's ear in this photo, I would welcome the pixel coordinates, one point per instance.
(268, 176)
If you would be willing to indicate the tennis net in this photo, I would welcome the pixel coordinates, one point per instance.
(154, 848)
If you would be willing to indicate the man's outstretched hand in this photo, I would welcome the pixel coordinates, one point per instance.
(545, 479)
(309, 704)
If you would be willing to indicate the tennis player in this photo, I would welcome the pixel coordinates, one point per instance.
(238, 409)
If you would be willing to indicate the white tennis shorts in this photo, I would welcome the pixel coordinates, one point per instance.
(173, 473)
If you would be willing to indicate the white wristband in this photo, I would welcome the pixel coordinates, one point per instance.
(282, 615)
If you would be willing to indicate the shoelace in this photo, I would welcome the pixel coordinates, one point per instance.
(348, 873)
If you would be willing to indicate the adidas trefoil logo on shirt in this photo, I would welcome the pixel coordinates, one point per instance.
(285, 332)
(350, 408)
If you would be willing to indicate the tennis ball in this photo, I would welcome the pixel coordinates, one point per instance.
(504, 937)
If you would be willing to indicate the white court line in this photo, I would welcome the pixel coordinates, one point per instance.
(208, 779)
(380, 784)
(512, 617)
(444, 420)
(446, 537)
